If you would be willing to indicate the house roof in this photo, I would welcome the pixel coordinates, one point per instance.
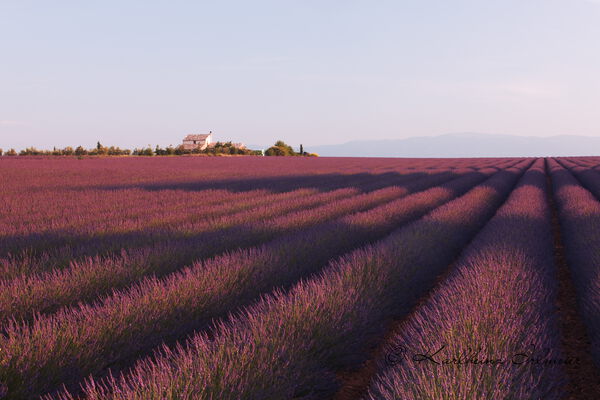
(197, 137)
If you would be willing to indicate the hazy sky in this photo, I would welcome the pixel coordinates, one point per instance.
(132, 73)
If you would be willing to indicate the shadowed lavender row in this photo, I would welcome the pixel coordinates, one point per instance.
(94, 337)
(289, 344)
(488, 331)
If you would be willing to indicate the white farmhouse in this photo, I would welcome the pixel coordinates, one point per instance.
(191, 142)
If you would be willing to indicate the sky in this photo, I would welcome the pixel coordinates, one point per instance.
(132, 73)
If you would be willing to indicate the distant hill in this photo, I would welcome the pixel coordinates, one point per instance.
(465, 145)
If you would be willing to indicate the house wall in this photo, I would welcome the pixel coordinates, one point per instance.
(197, 144)
(190, 145)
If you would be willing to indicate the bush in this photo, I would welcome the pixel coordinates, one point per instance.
(32, 151)
(280, 149)
(275, 151)
(80, 151)
(117, 151)
(179, 150)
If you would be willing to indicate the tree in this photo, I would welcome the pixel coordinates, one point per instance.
(101, 150)
(80, 151)
(1, 152)
(280, 149)
(275, 151)
(301, 150)
(11, 152)
(179, 150)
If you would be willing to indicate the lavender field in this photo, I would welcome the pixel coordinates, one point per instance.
(299, 278)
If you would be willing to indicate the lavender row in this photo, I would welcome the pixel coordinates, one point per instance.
(289, 344)
(580, 224)
(88, 339)
(41, 215)
(588, 162)
(79, 248)
(59, 250)
(36, 191)
(490, 330)
(589, 177)
(43, 250)
(87, 280)
(37, 196)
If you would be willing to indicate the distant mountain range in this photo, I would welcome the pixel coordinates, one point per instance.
(465, 145)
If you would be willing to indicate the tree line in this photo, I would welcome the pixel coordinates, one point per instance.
(219, 148)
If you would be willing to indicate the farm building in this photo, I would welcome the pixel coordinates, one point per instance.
(191, 142)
